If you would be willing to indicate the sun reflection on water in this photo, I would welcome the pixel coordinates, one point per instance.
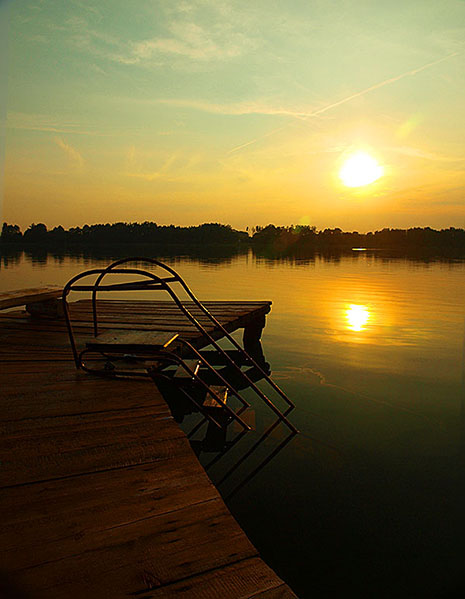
(357, 317)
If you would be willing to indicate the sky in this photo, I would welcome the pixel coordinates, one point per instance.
(240, 112)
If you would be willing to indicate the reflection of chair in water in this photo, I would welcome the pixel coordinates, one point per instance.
(147, 352)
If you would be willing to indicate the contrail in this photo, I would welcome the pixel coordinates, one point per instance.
(382, 84)
(248, 143)
(351, 97)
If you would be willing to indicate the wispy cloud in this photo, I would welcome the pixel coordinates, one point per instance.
(37, 6)
(136, 166)
(97, 69)
(90, 8)
(192, 41)
(40, 39)
(46, 123)
(146, 176)
(72, 153)
(150, 165)
(237, 108)
(418, 153)
(180, 33)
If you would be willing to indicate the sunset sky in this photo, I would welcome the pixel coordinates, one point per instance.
(240, 112)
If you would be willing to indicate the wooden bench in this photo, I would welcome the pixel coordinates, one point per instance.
(39, 301)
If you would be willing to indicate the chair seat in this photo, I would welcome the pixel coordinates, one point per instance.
(128, 342)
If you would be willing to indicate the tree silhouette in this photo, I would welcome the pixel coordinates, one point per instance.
(280, 239)
(11, 233)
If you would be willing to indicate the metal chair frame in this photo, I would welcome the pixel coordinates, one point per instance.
(155, 282)
(169, 357)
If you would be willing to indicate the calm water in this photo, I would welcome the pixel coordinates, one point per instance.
(369, 497)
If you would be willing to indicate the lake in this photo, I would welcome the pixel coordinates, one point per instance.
(369, 497)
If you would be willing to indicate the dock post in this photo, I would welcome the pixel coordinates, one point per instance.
(251, 339)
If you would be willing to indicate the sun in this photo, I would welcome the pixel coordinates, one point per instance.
(360, 169)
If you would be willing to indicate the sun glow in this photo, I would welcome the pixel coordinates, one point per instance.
(357, 317)
(360, 169)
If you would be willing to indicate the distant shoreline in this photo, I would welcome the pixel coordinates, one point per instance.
(215, 237)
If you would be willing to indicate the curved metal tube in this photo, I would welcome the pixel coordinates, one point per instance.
(217, 324)
(112, 269)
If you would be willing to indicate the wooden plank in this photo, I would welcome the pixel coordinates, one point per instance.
(170, 308)
(154, 311)
(42, 398)
(85, 329)
(146, 319)
(22, 358)
(66, 517)
(154, 308)
(46, 435)
(129, 560)
(137, 316)
(47, 339)
(250, 578)
(151, 303)
(131, 341)
(21, 297)
(280, 592)
(84, 322)
(44, 449)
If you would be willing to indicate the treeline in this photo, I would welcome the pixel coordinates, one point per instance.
(122, 233)
(288, 240)
(298, 239)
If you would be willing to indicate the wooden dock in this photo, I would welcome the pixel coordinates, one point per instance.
(101, 493)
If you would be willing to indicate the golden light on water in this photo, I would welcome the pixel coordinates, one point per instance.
(357, 317)
(360, 169)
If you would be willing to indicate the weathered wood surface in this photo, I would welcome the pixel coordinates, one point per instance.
(18, 330)
(128, 341)
(21, 297)
(101, 494)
